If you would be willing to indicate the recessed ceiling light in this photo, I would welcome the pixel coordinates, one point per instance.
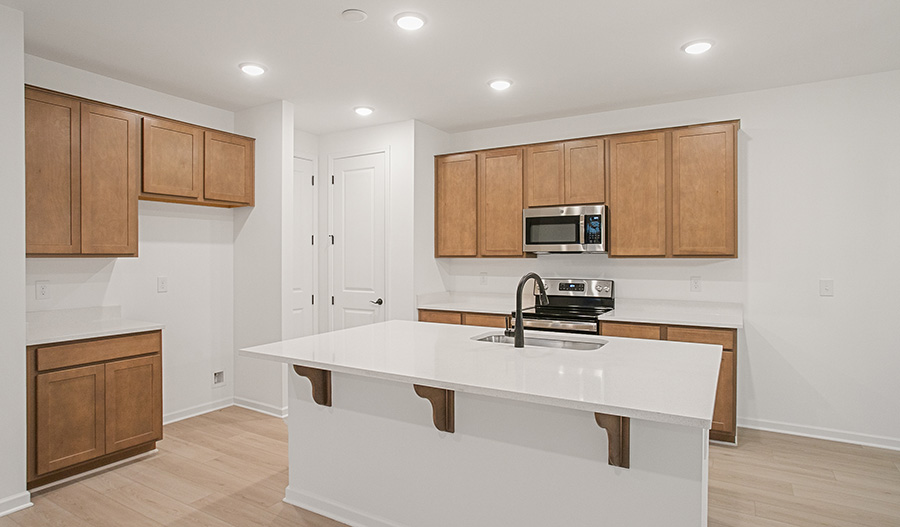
(697, 47)
(354, 15)
(253, 69)
(363, 110)
(410, 21)
(500, 84)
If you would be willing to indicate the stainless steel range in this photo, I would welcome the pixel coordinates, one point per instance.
(574, 306)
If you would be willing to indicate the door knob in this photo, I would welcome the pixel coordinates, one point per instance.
(376, 302)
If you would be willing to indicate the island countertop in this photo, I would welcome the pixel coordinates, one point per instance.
(670, 382)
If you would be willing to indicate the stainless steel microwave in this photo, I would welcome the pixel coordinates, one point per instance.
(575, 229)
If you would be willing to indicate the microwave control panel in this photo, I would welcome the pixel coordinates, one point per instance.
(593, 233)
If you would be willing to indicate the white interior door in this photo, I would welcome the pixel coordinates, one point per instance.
(357, 220)
(303, 270)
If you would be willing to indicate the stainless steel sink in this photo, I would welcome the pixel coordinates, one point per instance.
(548, 342)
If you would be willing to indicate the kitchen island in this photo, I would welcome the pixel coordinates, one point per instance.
(418, 424)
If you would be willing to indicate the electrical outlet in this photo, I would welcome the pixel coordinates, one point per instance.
(482, 278)
(695, 284)
(826, 287)
(162, 284)
(42, 289)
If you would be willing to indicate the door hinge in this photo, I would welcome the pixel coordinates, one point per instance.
(313, 241)
(313, 299)
(332, 238)
(332, 179)
(313, 183)
(332, 300)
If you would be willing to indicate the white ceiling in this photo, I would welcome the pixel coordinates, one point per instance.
(566, 57)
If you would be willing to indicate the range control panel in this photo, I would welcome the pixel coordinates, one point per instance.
(577, 287)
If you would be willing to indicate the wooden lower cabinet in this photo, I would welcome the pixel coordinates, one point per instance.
(724, 422)
(464, 318)
(82, 416)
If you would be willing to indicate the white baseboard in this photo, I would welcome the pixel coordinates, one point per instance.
(267, 409)
(335, 511)
(15, 503)
(198, 410)
(889, 443)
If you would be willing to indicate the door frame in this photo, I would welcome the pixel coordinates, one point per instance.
(386, 150)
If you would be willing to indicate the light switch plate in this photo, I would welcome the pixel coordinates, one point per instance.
(826, 287)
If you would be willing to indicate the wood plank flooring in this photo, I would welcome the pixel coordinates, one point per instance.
(229, 468)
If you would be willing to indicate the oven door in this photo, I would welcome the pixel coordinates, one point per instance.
(564, 326)
(552, 229)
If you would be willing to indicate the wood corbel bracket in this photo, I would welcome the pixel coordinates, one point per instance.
(618, 430)
(321, 383)
(442, 406)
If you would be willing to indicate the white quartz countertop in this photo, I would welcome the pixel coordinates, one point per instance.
(672, 382)
(675, 312)
(45, 327)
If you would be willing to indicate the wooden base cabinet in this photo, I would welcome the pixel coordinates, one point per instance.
(492, 320)
(91, 403)
(724, 422)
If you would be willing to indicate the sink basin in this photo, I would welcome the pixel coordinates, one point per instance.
(545, 342)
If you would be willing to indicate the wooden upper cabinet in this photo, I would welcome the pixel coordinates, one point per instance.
(569, 173)
(110, 149)
(228, 168)
(585, 170)
(544, 175)
(173, 158)
(704, 196)
(455, 202)
(500, 202)
(637, 197)
(52, 173)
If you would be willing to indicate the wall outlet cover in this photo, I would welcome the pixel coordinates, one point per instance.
(695, 284)
(42, 289)
(826, 287)
(162, 284)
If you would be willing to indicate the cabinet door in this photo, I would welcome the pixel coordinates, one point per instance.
(455, 206)
(52, 174)
(724, 410)
(173, 158)
(133, 402)
(585, 171)
(637, 200)
(500, 202)
(544, 173)
(228, 168)
(110, 146)
(70, 421)
(704, 200)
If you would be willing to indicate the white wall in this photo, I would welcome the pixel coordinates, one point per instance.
(397, 140)
(261, 245)
(13, 495)
(191, 245)
(818, 187)
(430, 272)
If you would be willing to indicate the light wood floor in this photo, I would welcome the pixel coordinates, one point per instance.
(229, 468)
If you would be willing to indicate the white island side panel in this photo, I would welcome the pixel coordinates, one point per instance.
(374, 459)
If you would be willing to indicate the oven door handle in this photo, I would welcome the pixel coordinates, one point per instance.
(586, 327)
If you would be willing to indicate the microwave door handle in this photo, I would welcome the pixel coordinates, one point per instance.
(581, 240)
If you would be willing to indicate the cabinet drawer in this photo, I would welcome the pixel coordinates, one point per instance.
(442, 317)
(634, 331)
(67, 355)
(722, 337)
(483, 319)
